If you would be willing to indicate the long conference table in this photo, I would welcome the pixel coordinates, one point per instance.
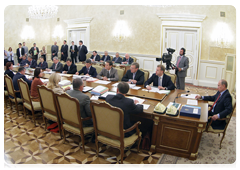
(174, 135)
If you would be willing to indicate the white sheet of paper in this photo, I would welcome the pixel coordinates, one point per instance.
(102, 82)
(195, 111)
(94, 98)
(190, 96)
(87, 88)
(145, 106)
(115, 84)
(136, 88)
(163, 91)
(140, 101)
(192, 102)
(107, 93)
(44, 80)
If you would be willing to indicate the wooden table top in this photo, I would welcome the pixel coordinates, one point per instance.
(151, 98)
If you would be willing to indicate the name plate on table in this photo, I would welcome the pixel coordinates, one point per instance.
(191, 111)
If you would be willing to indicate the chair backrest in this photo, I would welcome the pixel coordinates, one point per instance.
(47, 100)
(134, 59)
(173, 76)
(50, 63)
(146, 74)
(105, 116)
(24, 91)
(38, 61)
(88, 55)
(9, 86)
(69, 110)
(120, 73)
(98, 68)
(121, 57)
(111, 57)
(79, 66)
(233, 108)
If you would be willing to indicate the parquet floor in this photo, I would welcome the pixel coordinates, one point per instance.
(26, 144)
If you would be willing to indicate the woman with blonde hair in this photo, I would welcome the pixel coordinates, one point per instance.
(43, 53)
(54, 79)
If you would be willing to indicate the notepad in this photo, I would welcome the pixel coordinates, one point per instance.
(140, 101)
(192, 102)
(64, 83)
(87, 88)
(94, 98)
(103, 82)
(44, 80)
(189, 96)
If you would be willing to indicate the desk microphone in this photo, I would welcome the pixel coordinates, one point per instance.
(180, 93)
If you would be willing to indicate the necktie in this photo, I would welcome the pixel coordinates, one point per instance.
(68, 68)
(41, 64)
(107, 74)
(134, 75)
(88, 70)
(160, 81)
(215, 102)
(56, 66)
(179, 60)
(80, 47)
(116, 59)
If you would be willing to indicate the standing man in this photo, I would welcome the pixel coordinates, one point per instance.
(20, 52)
(82, 51)
(25, 49)
(221, 107)
(54, 50)
(73, 51)
(64, 51)
(181, 70)
(34, 52)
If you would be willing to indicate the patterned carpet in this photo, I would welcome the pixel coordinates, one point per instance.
(209, 152)
(26, 144)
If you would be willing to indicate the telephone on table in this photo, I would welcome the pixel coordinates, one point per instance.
(172, 111)
(160, 108)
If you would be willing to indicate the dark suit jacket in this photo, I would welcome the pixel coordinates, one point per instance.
(20, 55)
(33, 64)
(92, 71)
(128, 107)
(32, 51)
(64, 49)
(118, 61)
(73, 69)
(130, 60)
(139, 77)
(54, 50)
(9, 73)
(15, 84)
(59, 67)
(73, 54)
(82, 53)
(24, 62)
(97, 57)
(223, 107)
(166, 81)
(108, 58)
(43, 65)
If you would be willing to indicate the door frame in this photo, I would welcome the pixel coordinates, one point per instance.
(184, 22)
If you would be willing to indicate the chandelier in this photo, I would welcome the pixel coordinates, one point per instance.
(42, 11)
(121, 31)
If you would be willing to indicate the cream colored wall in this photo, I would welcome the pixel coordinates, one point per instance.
(142, 21)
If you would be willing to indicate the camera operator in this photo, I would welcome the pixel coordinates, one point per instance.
(182, 65)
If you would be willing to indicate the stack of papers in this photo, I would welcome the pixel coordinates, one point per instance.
(64, 83)
(91, 79)
(115, 84)
(71, 87)
(87, 88)
(44, 80)
(103, 82)
(28, 77)
(94, 98)
(99, 90)
(49, 72)
(107, 93)
(65, 75)
(164, 91)
(136, 88)
(192, 102)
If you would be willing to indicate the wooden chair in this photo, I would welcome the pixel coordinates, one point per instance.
(146, 74)
(11, 93)
(173, 76)
(120, 72)
(49, 106)
(108, 123)
(209, 128)
(88, 55)
(111, 57)
(98, 68)
(5, 94)
(50, 63)
(134, 59)
(70, 117)
(27, 99)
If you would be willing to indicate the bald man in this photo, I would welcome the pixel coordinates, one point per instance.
(127, 59)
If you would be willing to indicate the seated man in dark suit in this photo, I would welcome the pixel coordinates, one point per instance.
(127, 105)
(117, 59)
(88, 69)
(161, 80)
(32, 62)
(43, 64)
(20, 74)
(24, 62)
(134, 75)
(84, 101)
(95, 56)
(222, 105)
(56, 66)
(108, 73)
(127, 59)
(69, 67)
(105, 57)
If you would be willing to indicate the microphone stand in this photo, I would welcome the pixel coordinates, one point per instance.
(180, 93)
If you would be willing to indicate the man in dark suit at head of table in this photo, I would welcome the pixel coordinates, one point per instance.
(221, 107)
(127, 105)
